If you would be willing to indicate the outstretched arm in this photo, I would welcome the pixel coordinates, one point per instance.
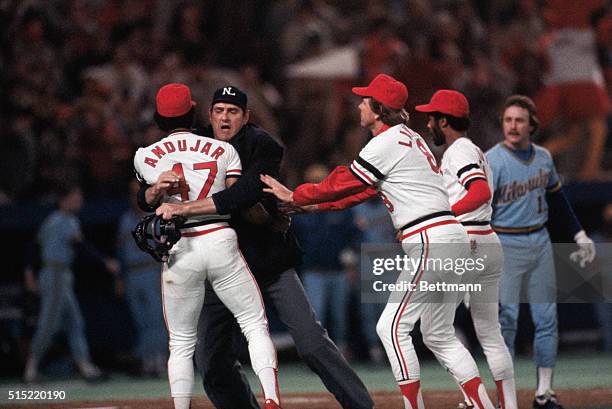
(337, 185)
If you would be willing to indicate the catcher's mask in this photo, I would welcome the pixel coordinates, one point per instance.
(156, 236)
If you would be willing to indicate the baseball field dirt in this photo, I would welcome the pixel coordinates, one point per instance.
(599, 398)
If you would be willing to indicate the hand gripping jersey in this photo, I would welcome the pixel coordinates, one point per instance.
(463, 163)
(204, 164)
(409, 180)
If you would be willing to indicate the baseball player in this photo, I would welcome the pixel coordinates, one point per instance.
(60, 239)
(466, 174)
(182, 167)
(526, 190)
(272, 254)
(400, 166)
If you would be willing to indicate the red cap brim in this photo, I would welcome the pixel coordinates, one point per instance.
(361, 91)
(426, 108)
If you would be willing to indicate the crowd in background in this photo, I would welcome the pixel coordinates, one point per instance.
(78, 80)
(79, 76)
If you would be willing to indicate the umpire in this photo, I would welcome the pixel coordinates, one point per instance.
(272, 256)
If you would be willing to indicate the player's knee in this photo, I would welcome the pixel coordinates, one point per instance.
(182, 348)
(432, 341)
(508, 320)
(546, 324)
(256, 332)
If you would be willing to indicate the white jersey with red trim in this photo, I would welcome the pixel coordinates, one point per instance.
(203, 162)
(400, 165)
(206, 251)
(462, 163)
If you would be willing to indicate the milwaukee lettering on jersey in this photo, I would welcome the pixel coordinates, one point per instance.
(516, 189)
(181, 145)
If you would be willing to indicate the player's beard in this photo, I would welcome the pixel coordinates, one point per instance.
(438, 135)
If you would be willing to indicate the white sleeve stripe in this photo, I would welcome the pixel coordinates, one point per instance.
(475, 175)
(473, 172)
(361, 174)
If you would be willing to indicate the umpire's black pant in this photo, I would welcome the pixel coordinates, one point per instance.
(223, 378)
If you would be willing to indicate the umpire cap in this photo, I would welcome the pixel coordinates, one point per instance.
(231, 95)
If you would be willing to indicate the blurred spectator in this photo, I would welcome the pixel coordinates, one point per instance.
(142, 286)
(575, 92)
(305, 34)
(329, 240)
(80, 106)
(60, 238)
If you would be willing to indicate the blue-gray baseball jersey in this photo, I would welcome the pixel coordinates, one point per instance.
(520, 187)
(57, 236)
(520, 213)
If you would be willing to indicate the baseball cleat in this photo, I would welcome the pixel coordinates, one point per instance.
(270, 404)
(546, 401)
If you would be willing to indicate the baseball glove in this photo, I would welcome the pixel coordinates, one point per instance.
(156, 236)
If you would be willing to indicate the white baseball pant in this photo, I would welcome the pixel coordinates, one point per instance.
(192, 260)
(435, 309)
(484, 309)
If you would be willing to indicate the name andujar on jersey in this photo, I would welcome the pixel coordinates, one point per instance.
(164, 148)
(403, 286)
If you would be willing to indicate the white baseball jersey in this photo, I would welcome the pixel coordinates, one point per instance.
(203, 162)
(208, 253)
(406, 173)
(462, 163)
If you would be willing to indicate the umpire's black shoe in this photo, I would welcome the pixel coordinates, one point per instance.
(547, 401)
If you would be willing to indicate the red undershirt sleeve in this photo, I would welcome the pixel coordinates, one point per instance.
(349, 201)
(337, 185)
(477, 194)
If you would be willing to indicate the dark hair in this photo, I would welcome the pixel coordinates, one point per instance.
(168, 124)
(458, 124)
(63, 189)
(524, 102)
(388, 116)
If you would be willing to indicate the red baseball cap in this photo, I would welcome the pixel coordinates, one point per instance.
(447, 101)
(174, 100)
(386, 90)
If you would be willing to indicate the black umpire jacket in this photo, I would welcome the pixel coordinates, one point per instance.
(267, 253)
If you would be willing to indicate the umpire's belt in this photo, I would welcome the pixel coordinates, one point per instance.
(519, 230)
(426, 222)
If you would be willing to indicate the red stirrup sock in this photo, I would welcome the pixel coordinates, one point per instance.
(500, 394)
(411, 392)
(471, 389)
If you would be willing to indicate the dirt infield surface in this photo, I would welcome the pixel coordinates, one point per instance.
(600, 398)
